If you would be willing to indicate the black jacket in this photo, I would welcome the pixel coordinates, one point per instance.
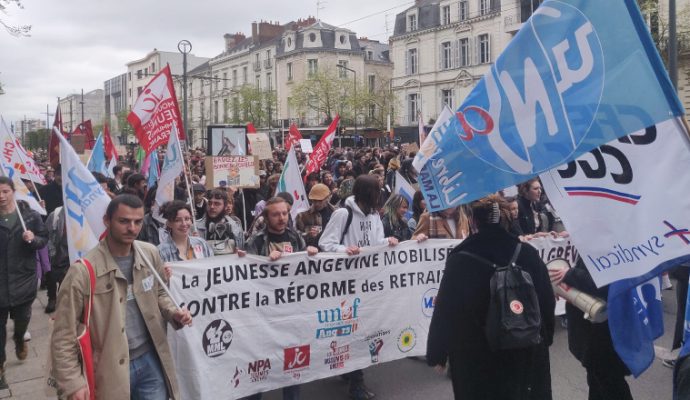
(258, 243)
(457, 325)
(526, 218)
(18, 279)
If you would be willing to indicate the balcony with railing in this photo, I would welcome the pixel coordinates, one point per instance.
(518, 13)
(256, 65)
(268, 64)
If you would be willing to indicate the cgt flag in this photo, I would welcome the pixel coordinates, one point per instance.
(155, 111)
(86, 129)
(294, 136)
(84, 200)
(609, 199)
(291, 182)
(318, 157)
(21, 192)
(559, 89)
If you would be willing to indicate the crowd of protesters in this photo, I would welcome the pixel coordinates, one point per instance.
(354, 185)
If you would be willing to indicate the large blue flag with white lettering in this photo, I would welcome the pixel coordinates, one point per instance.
(573, 78)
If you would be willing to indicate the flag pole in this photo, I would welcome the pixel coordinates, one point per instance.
(185, 169)
(155, 273)
(24, 161)
(16, 205)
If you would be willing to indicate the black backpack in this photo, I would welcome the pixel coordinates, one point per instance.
(513, 320)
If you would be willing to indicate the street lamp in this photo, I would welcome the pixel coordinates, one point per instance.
(354, 72)
(185, 47)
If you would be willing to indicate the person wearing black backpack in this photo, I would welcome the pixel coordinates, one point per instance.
(493, 318)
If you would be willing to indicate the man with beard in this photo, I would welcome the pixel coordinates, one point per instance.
(222, 232)
(311, 222)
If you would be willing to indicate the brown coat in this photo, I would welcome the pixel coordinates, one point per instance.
(427, 224)
(108, 337)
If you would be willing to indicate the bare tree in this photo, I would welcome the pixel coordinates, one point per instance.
(14, 30)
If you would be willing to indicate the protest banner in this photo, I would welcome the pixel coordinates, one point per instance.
(260, 145)
(305, 145)
(559, 89)
(155, 111)
(16, 156)
(550, 248)
(235, 171)
(226, 140)
(261, 325)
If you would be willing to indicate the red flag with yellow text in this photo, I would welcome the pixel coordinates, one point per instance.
(318, 157)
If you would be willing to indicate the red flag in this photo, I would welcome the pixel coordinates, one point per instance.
(110, 150)
(293, 137)
(250, 128)
(54, 144)
(85, 129)
(155, 111)
(318, 157)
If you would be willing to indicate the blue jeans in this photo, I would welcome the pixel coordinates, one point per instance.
(146, 379)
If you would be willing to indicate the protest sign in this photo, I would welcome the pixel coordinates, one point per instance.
(550, 248)
(235, 171)
(306, 146)
(226, 140)
(260, 145)
(261, 325)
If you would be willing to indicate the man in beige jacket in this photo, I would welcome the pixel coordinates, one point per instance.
(127, 325)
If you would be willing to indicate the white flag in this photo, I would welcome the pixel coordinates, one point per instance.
(21, 192)
(291, 182)
(84, 200)
(404, 188)
(173, 165)
(111, 165)
(14, 155)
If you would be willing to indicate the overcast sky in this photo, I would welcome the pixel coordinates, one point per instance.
(77, 44)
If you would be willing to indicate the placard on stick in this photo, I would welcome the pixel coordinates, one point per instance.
(235, 171)
(260, 145)
(306, 146)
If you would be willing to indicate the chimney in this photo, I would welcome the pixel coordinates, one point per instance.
(232, 40)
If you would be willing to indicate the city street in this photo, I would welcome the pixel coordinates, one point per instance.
(403, 379)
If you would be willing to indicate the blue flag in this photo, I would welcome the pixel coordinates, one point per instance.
(561, 88)
(97, 160)
(154, 170)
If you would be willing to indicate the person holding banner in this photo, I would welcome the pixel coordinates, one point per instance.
(354, 226)
(457, 332)
(177, 244)
(222, 232)
(129, 313)
(22, 233)
(451, 223)
(393, 219)
(311, 222)
(276, 239)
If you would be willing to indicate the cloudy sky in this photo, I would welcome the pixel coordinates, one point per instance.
(77, 44)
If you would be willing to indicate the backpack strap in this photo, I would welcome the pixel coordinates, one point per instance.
(516, 253)
(480, 259)
(347, 224)
(92, 285)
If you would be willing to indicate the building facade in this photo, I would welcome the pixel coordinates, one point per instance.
(115, 102)
(441, 48)
(77, 107)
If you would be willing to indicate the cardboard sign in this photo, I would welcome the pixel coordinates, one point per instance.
(305, 144)
(412, 147)
(260, 145)
(235, 171)
(78, 142)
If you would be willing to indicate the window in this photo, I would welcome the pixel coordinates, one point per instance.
(153, 67)
(312, 37)
(138, 74)
(464, 50)
(446, 56)
(225, 80)
(484, 49)
(226, 111)
(129, 76)
(411, 62)
(256, 57)
(342, 72)
(343, 39)
(258, 82)
(313, 65)
(371, 80)
(268, 54)
(484, 7)
(234, 77)
(412, 107)
(370, 55)
(447, 98)
(463, 10)
(289, 71)
(412, 22)
(215, 82)
(372, 111)
(245, 77)
(146, 71)
(445, 15)
(235, 108)
(269, 84)
(215, 111)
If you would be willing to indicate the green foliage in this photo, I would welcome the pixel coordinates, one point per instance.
(14, 30)
(252, 105)
(123, 127)
(37, 139)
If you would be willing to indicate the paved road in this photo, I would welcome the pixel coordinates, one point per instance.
(399, 380)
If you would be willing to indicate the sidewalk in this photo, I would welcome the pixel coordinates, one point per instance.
(26, 377)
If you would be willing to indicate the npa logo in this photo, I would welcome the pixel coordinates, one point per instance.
(429, 301)
(217, 338)
(296, 360)
(528, 112)
(336, 357)
(258, 370)
(339, 321)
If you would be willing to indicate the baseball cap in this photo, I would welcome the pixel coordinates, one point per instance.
(319, 192)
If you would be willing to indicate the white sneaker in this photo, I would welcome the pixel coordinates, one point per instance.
(27, 336)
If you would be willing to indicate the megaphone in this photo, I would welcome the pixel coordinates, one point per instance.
(595, 309)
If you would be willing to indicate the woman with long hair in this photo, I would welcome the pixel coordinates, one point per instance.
(393, 219)
(418, 207)
(531, 219)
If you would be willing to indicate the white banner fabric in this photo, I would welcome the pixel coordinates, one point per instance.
(626, 204)
(260, 325)
(550, 248)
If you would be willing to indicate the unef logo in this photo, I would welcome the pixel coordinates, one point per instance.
(296, 359)
(521, 115)
(217, 338)
(429, 301)
(340, 321)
